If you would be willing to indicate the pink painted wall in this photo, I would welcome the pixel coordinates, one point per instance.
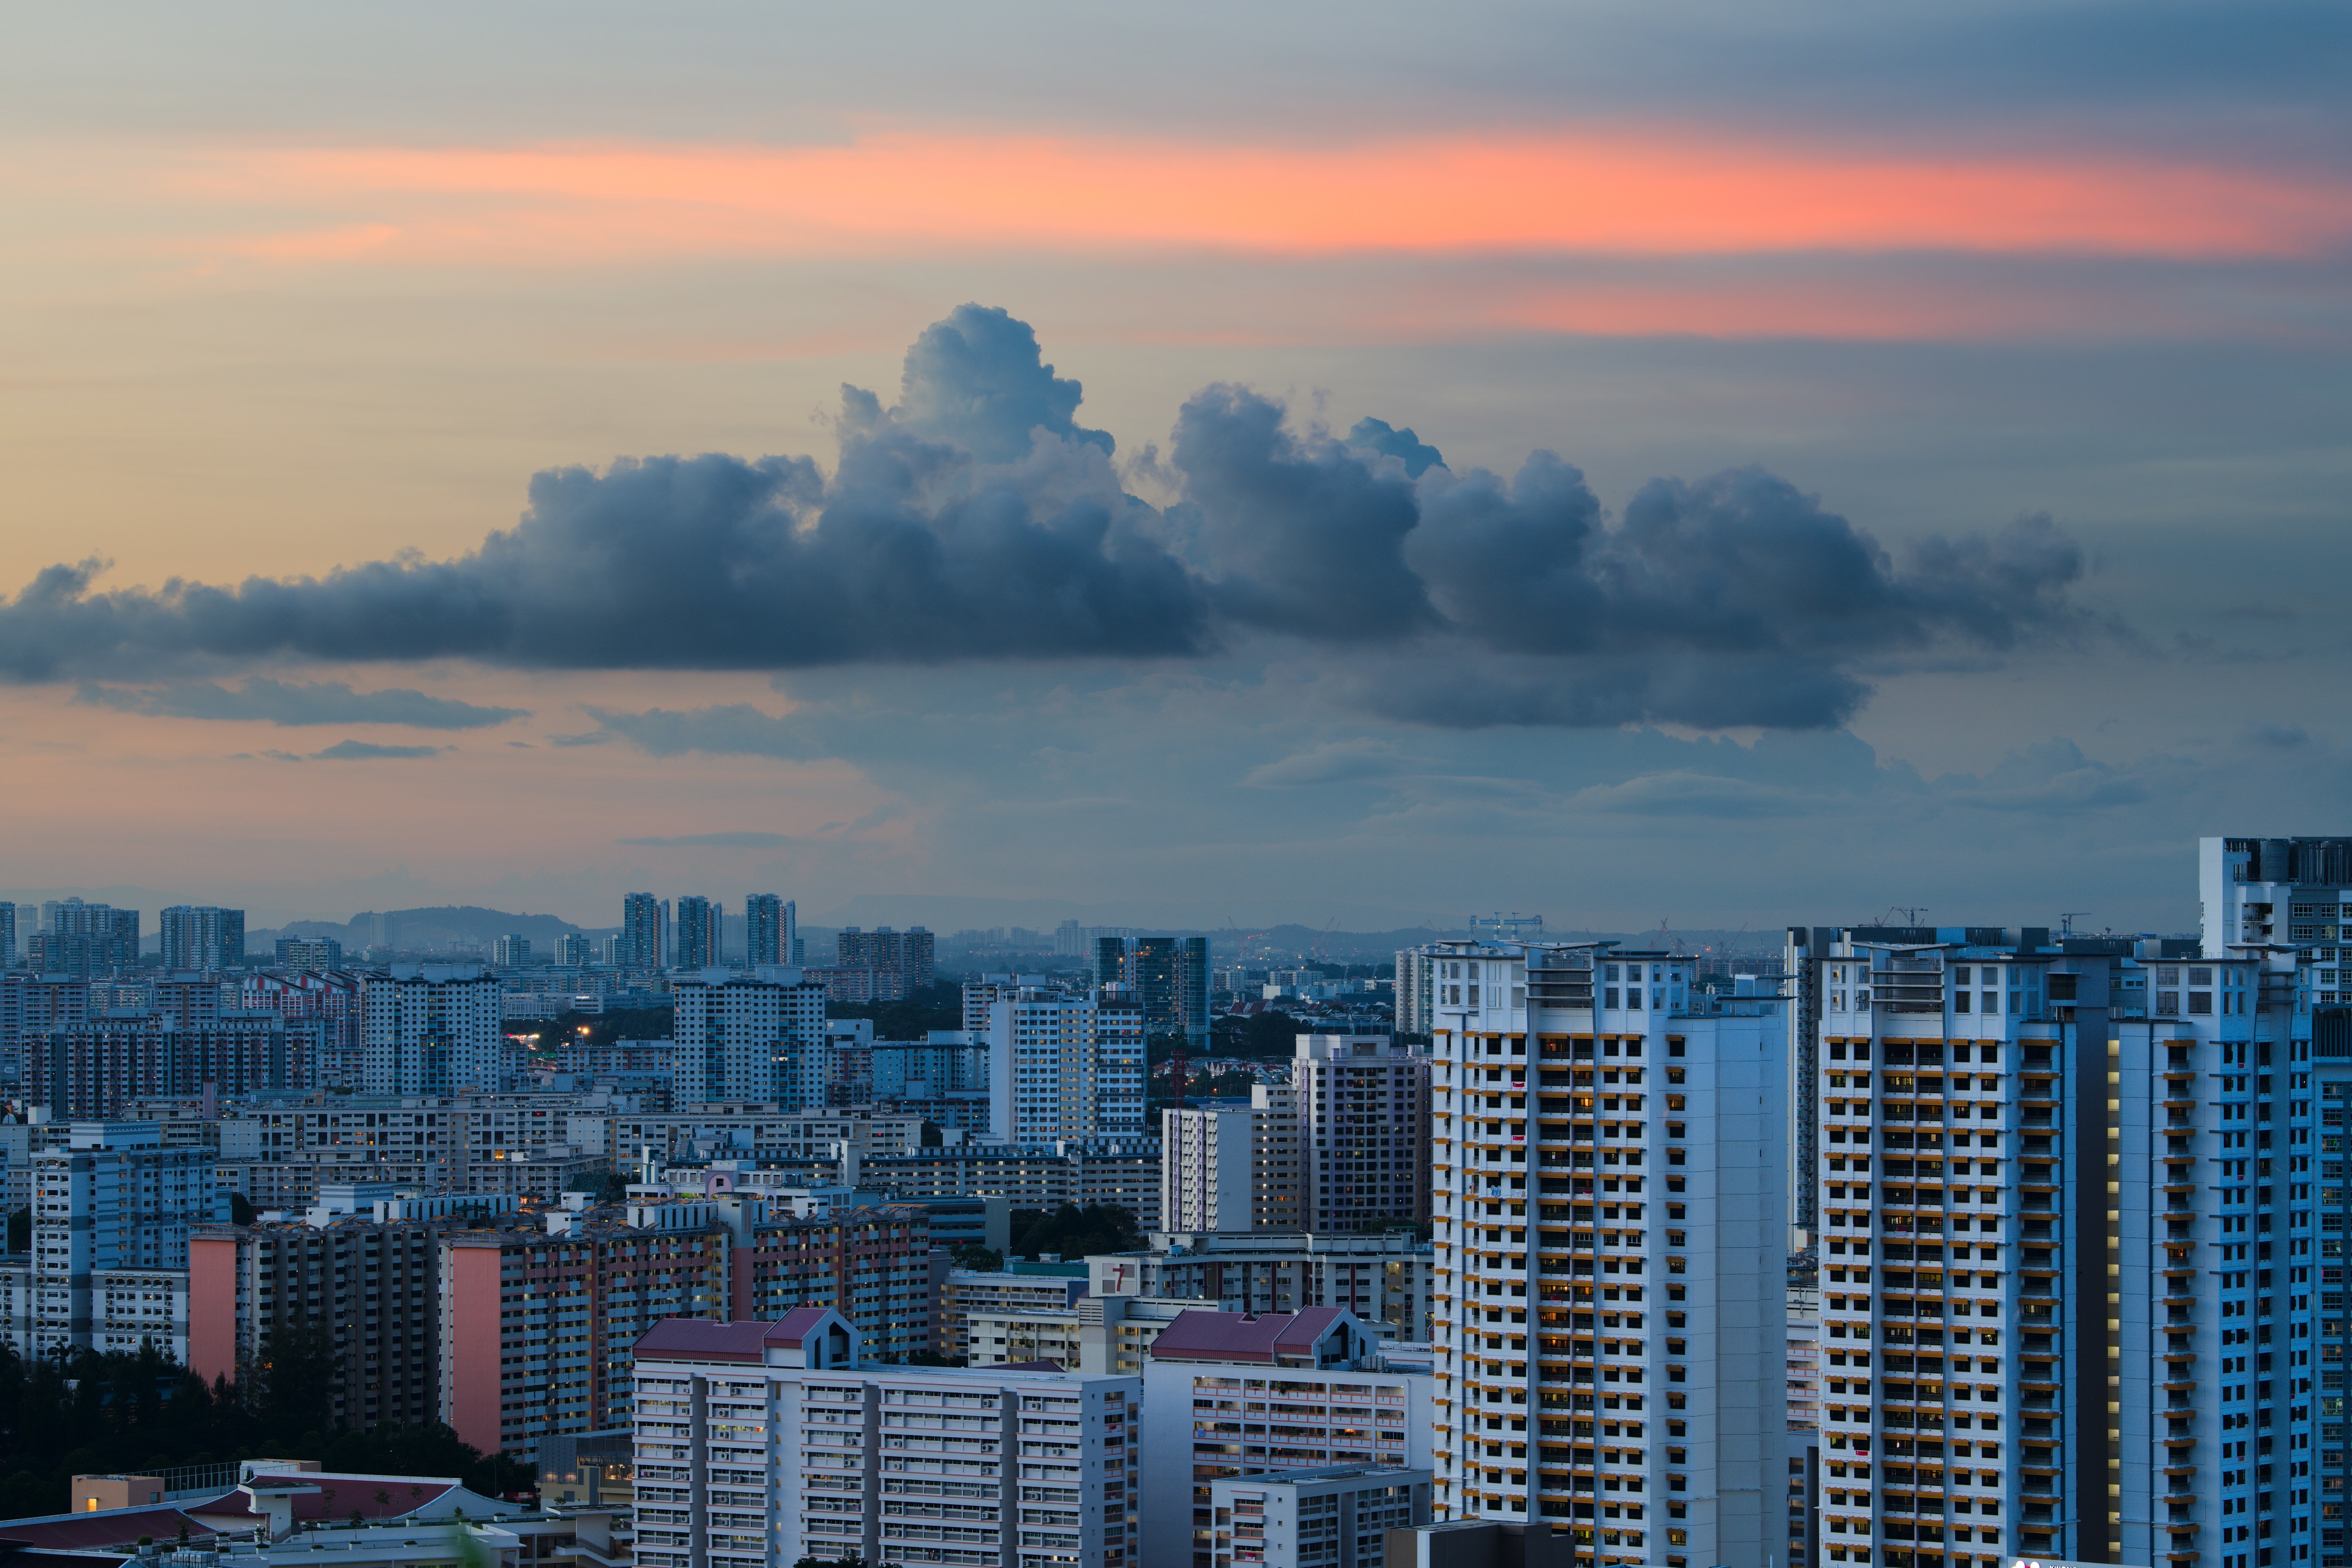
(470, 1347)
(212, 1307)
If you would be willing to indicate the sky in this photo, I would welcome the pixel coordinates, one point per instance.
(1684, 462)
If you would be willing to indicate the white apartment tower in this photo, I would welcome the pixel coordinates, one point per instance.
(761, 1443)
(741, 1038)
(1063, 1065)
(433, 1029)
(1609, 1219)
(2075, 1253)
(1230, 1167)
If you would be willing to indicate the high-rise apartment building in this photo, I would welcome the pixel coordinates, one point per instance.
(1413, 967)
(511, 951)
(770, 930)
(94, 1070)
(81, 940)
(327, 997)
(900, 961)
(760, 1444)
(536, 1326)
(1362, 1104)
(1608, 1218)
(316, 952)
(2077, 1277)
(8, 936)
(373, 1289)
(573, 950)
(1227, 1167)
(1171, 978)
(112, 1196)
(698, 930)
(739, 1037)
(643, 942)
(433, 1029)
(201, 939)
(1064, 1065)
(33, 1005)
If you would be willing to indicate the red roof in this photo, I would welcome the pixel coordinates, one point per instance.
(1205, 1335)
(699, 1339)
(352, 1494)
(90, 1532)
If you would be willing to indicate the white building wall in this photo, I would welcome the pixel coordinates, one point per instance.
(743, 1466)
(1609, 1217)
(1259, 1418)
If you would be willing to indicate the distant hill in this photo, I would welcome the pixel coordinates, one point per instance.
(422, 929)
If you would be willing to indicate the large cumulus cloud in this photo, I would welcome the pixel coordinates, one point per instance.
(976, 519)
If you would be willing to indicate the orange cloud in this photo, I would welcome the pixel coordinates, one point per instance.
(908, 192)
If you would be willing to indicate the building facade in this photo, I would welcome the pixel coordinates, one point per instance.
(1229, 1394)
(1064, 1066)
(899, 961)
(1362, 1108)
(1386, 1278)
(95, 1068)
(1610, 1227)
(111, 1198)
(372, 1289)
(745, 1039)
(1337, 1517)
(433, 1029)
(201, 939)
(761, 1443)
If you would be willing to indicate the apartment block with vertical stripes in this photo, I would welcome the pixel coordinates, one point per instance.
(1608, 1145)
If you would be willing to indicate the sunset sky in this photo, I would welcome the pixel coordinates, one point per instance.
(915, 457)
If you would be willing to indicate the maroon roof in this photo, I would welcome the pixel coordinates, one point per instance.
(352, 1494)
(1206, 1335)
(699, 1339)
(90, 1532)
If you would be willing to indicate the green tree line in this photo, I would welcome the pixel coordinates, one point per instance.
(89, 1413)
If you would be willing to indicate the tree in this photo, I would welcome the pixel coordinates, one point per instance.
(1073, 1232)
(290, 1384)
(939, 1004)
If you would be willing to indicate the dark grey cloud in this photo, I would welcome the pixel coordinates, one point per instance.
(979, 381)
(1377, 435)
(368, 751)
(976, 520)
(291, 704)
(1306, 537)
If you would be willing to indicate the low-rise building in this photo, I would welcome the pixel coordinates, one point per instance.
(760, 1444)
(1234, 1393)
(1337, 1517)
(1123, 1174)
(985, 1318)
(132, 1309)
(1383, 1277)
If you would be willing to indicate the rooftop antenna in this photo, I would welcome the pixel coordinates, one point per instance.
(2067, 919)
